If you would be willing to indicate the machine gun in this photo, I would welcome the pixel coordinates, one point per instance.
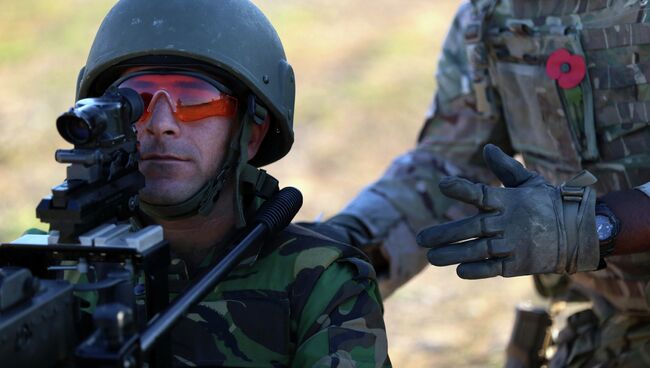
(41, 323)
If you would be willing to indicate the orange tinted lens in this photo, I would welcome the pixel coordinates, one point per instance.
(192, 97)
(220, 107)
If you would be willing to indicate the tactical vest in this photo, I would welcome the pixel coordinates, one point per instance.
(601, 125)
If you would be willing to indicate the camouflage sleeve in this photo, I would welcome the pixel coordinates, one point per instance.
(341, 324)
(385, 217)
(455, 130)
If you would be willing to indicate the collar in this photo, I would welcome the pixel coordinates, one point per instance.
(180, 272)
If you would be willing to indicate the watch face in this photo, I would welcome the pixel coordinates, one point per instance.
(604, 227)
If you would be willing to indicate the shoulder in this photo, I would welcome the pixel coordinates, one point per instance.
(294, 259)
(300, 260)
(335, 302)
(300, 280)
(306, 250)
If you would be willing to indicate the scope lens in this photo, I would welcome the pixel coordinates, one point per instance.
(78, 131)
(74, 129)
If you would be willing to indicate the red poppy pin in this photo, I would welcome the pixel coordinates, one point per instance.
(568, 69)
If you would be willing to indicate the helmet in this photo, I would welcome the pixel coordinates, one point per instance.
(232, 36)
(230, 39)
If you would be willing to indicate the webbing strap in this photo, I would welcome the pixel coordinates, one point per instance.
(178, 211)
(575, 200)
(264, 184)
(243, 158)
(623, 113)
(617, 36)
(475, 48)
(246, 175)
(619, 76)
(536, 9)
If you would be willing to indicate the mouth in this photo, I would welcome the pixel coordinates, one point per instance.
(160, 157)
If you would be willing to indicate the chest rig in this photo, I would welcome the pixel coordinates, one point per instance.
(601, 124)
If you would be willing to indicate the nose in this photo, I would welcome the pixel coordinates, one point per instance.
(161, 120)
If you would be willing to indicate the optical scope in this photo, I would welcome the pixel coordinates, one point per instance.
(101, 120)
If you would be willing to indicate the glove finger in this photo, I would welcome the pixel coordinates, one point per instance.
(450, 232)
(469, 251)
(462, 190)
(480, 270)
(507, 169)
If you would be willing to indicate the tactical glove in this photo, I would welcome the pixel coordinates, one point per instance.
(526, 227)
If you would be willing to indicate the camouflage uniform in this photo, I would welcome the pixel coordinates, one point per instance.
(493, 88)
(305, 301)
(300, 300)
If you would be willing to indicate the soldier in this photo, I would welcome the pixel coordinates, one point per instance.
(219, 98)
(564, 84)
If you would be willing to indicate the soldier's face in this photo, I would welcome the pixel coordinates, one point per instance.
(178, 157)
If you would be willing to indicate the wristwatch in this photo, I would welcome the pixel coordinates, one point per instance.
(607, 227)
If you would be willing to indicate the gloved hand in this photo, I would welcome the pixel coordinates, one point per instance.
(527, 227)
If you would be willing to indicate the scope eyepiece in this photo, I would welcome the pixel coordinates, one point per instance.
(133, 102)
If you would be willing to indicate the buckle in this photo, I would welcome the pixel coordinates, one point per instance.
(574, 189)
(571, 194)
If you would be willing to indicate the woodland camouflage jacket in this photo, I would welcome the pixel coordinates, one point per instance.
(299, 300)
(303, 301)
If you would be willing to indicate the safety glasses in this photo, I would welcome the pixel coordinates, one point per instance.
(191, 96)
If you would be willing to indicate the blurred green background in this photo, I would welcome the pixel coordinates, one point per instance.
(365, 80)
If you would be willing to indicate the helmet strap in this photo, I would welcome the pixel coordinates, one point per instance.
(248, 178)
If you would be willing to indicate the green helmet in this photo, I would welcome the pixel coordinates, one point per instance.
(232, 36)
(231, 39)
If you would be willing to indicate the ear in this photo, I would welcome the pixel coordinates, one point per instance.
(258, 132)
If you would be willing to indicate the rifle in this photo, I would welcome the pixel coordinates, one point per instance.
(41, 323)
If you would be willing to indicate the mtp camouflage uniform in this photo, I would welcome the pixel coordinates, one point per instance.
(493, 88)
